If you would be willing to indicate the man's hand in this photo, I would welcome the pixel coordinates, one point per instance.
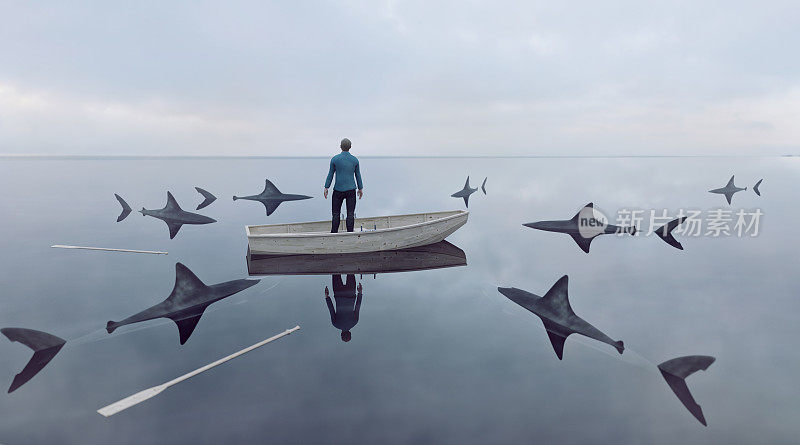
(325, 193)
(360, 193)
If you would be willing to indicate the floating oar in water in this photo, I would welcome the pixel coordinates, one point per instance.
(149, 393)
(107, 249)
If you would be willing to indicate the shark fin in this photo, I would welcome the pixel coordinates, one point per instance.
(209, 198)
(557, 340)
(172, 204)
(583, 243)
(483, 186)
(45, 347)
(126, 209)
(186, 325)
(270, 189)
(675, 372)
(466, 201)
(174, 227)
(578, 215)
(271, 206)
(185, 282)
(557, 296)
(755, 187)
(466, 184)
(730, 182)
(729, 196)
(665, 232)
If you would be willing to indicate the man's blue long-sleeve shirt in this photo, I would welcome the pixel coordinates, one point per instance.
(345, 166)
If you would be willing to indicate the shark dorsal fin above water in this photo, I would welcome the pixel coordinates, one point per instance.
(466, 184)
(186, 285)
(675, 372)
(582, 212)
(270, 189)
(45, 347)
(557, 297)
(126, 209)
(730, 182)
(172, 204)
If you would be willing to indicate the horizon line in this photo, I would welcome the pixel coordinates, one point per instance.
(42, 156)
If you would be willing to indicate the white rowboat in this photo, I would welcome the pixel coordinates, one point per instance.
(371, 234)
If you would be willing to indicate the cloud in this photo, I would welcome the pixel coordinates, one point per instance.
(399, 77)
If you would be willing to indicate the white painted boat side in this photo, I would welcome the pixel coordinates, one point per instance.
(289, 239)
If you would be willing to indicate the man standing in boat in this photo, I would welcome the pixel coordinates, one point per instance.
(346, 168)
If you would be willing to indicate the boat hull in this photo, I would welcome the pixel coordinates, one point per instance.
(431, 228)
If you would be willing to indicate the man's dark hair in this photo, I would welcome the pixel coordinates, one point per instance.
(345, 144)
(345, 336)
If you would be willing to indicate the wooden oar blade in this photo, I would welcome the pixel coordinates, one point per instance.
(130, 401)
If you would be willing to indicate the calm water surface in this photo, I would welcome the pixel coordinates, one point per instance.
(436, 356)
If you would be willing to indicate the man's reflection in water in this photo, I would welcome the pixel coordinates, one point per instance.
(348, 302)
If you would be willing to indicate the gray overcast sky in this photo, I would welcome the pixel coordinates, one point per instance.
(397, 77)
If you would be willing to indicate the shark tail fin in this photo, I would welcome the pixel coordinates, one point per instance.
(44, 346)
(675, 372)
(755, 187)
(126, 209)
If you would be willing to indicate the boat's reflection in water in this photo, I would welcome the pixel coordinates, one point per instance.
(433, 256)
(346, 304)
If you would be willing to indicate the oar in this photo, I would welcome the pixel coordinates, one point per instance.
(141, 396)
(107, 249)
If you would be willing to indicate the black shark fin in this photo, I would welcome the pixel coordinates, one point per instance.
(209, 198)
(728, 197)
(185, 281)
(558, 296)
(557, 340)
(578, 215)
(271, 206)
(675, 372)
(665, 232)
(174, 227)
(172, 204)
(270, 189)
(755, 187)
(483, 186)
(466, 201)
(45, 347)
(187, 325)
(583, 243)
(126, 209)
